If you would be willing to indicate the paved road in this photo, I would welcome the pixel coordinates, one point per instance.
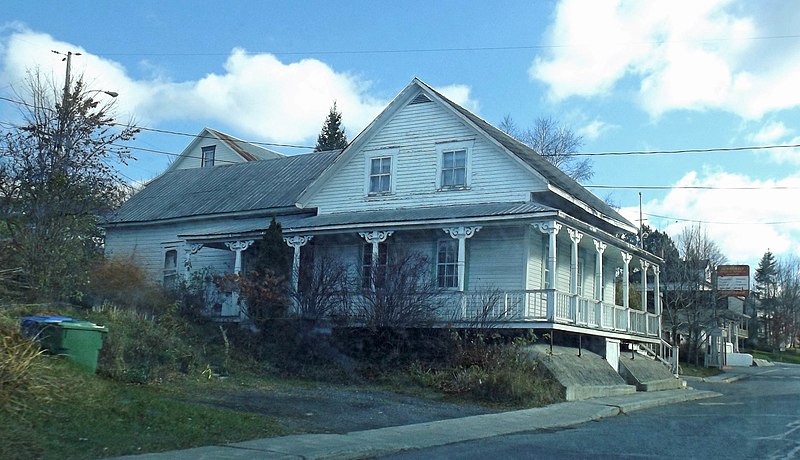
(757, 417)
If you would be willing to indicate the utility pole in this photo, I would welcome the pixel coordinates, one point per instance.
(63, 116)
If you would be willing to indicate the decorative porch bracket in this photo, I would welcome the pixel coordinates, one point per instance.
(296, 242)
(461, 234)
(191, 249)
(551, 229)
(238, 247)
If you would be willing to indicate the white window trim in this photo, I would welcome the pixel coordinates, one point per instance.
(167, 271)
(455, 264)
(203, 160)
(449, 147)
(384, 153)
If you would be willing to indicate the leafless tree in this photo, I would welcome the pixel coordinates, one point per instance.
(555, 142)
(402, 296)
(323, 288)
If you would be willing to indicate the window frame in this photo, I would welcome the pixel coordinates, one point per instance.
(391, 154)
(452, 147)
(170, 272)
(208, 156)
(442, 277)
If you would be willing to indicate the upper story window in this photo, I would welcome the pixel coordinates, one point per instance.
(380, 176)
(453, 165)
(207, 159)
(381, 172)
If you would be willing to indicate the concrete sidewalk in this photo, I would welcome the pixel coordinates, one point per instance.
(384, 441)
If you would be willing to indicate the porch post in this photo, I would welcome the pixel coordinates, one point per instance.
(551, 229)
(645, 266)
(657, 297)
(238, 247)
(626, 260)
(191, 248)
(296, 242)
(375, 237)
(461, 234)
(598, 279)
(575, 236)
(598, 270)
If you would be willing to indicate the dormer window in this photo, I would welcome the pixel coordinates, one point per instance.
(207, 159)
(453, 164)
(381, 172)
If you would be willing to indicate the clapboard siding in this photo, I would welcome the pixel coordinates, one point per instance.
(223, 155)
(496, 259)
(414, 132)
(147, 245)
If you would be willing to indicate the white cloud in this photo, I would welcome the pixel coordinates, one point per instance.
(771, 132)
(695, 55)
(594, 129)
(257, 95)
(460, 94)
(744, 223)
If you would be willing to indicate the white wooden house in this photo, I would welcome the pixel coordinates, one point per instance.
(213, 148)
(426, 175)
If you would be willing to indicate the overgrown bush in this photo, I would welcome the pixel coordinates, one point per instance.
(142, 349)
(121, 282)
(490, 368)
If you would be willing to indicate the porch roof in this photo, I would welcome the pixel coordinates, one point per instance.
(413, 215)
(239, 228)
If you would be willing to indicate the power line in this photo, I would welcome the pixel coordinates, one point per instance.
(440, 50)
(692, 187)
(684, 151)
(698, 221)
(176, 133)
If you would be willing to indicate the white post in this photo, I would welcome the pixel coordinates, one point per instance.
(375, 237)
(238, 247)
(598, 280)
(191, 248)
(657, 298)
(626, 260)
(551, 229)
(645, 266)
(461, 234)
(296, 242)
(575, 236)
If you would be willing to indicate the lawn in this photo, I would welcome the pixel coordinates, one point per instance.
(91, 417)
(788, 356)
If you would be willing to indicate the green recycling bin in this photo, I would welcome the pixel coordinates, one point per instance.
(80, 341)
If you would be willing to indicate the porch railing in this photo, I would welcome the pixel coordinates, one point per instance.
(549, 305)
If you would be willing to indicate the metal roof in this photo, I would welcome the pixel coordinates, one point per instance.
(250, 226)
(434, 213)
(242, 187)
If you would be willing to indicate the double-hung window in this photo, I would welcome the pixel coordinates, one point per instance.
(454, 169)
(380, 175)
(381, 172)
(453, 165)
(447, 264)
(170, 268)
(207, 159)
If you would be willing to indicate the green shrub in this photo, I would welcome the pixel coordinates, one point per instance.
(121, 282)
(141, 349)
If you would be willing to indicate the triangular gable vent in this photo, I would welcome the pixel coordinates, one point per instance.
(421, 98)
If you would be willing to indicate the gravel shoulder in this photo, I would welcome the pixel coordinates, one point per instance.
(338, 409)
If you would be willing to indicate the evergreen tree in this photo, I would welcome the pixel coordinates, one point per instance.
(765, 278)
(332, 135)
(271, 254)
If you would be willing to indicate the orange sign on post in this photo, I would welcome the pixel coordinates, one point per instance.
(733, 280)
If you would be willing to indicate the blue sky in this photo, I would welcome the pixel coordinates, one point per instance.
(627, 76)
